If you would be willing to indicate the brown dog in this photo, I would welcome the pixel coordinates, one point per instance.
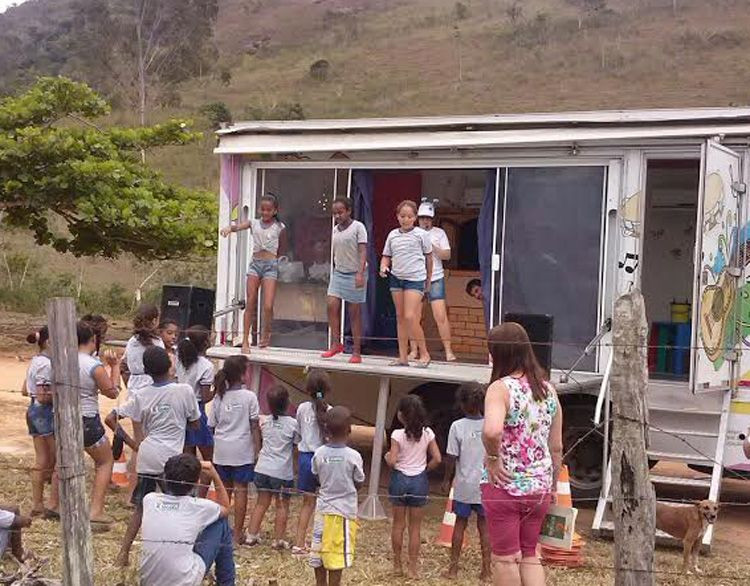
(688, 523)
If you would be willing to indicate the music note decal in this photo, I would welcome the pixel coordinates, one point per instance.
(630, 264)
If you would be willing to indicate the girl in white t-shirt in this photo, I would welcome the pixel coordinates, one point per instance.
(269, 243)
(145, 334)
(41, 423)
(234, 419)
(407, 262)
(413, 454)
(194, 369)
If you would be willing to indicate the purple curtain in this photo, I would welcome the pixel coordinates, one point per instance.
(485, 228)
(362, 200)
(231, 171)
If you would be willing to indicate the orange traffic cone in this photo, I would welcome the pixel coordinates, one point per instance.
(449, 521)
(555, 556)
(120, 471)
(211, 492)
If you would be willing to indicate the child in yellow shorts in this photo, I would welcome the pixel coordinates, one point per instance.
(340, 471)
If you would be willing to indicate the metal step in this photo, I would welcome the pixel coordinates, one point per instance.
(607, 529)
(693, 458)
(687, 432)
(681, 481)
(674, 441)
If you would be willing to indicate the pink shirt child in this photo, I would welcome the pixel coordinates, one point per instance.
(412, 456)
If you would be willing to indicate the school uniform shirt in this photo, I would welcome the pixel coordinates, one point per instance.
(465, 443)
(279, 436)
(438, 238)
(309, 430)
(230, 417)
(412, 456)
(39, 372)
(163, 410)
(200, 374)
(266, 236)
(346, 246)
(407, 251)
(87, 388)
(338, 468)
(134, 357)
(171, 524)
(6, 523)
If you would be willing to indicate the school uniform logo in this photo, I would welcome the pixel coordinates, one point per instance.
(163, 507)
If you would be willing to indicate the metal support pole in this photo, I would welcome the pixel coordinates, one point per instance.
(372, 509)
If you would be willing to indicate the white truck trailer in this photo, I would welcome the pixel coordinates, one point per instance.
(553, 214)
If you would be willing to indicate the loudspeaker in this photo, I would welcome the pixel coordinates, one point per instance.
(188, 306)
(539, 328)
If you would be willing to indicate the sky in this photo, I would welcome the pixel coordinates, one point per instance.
(4, 4)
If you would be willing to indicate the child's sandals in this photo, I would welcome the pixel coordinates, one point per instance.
(280, 544)
(251, 540)
(299, 551)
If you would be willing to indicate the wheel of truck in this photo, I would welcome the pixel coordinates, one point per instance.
(585, 458)
(440, 402)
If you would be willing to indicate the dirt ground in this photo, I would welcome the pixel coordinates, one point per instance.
(728, 563)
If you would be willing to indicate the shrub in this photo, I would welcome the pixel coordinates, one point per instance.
(320, 69)
(461, 11)
(217, 113)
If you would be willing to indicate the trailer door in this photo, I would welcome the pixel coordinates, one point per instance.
(717, 269)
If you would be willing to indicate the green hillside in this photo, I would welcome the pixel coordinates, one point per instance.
(408, 57)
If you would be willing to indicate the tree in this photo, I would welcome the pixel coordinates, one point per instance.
(83, 189)
(155, 43)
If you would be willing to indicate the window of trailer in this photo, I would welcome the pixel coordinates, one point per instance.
(524, 241)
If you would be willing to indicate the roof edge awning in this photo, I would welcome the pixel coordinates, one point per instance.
(352, 141)
(493, 121)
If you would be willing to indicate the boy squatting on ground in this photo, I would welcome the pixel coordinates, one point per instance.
(339, 470)
(11, 523)
(183, 536)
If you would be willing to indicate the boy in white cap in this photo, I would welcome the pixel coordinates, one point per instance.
(441, 251)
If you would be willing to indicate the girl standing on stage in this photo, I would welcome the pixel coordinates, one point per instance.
(348, 279)
(407, 261)
(269, 243)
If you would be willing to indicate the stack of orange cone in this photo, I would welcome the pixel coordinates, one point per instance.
(555, 556)
(120, 471)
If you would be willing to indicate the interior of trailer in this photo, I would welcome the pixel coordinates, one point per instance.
(545, 266)
(668, 263)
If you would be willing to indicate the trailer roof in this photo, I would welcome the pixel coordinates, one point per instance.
(474, 122)
(471, 132)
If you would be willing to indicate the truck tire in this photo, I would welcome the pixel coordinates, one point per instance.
(585, 459)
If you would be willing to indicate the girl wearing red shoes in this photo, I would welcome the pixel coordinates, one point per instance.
(348, 278)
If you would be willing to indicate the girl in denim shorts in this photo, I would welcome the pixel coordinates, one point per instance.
(269, 243)
(274, 470)
(413, 454)
(41, 423)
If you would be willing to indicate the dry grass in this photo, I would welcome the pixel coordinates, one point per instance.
(372, 564)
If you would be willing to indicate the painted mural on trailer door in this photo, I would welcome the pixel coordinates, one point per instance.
(719, 260)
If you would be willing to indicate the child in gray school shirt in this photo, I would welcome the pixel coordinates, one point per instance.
(339, 471)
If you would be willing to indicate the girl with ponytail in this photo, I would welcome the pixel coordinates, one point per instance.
(311, 419)
(41, 424)
(194, 369)
(234, 419)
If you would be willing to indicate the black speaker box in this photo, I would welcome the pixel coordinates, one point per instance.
(539, 329)
(188, 306)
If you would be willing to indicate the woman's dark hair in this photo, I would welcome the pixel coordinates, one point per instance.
(84, 333)
(193, 345)
(98, 323)
(143, 324)
(407, 203)
(181, 474)
(511, 352)
(318, 385)
(156, 362)
(414, 416)
(230, 374)
(344, 201)
(278, 401)
(39, 337)
(471, 398)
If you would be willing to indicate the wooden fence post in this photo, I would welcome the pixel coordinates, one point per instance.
(633, 500)
(78, 555)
